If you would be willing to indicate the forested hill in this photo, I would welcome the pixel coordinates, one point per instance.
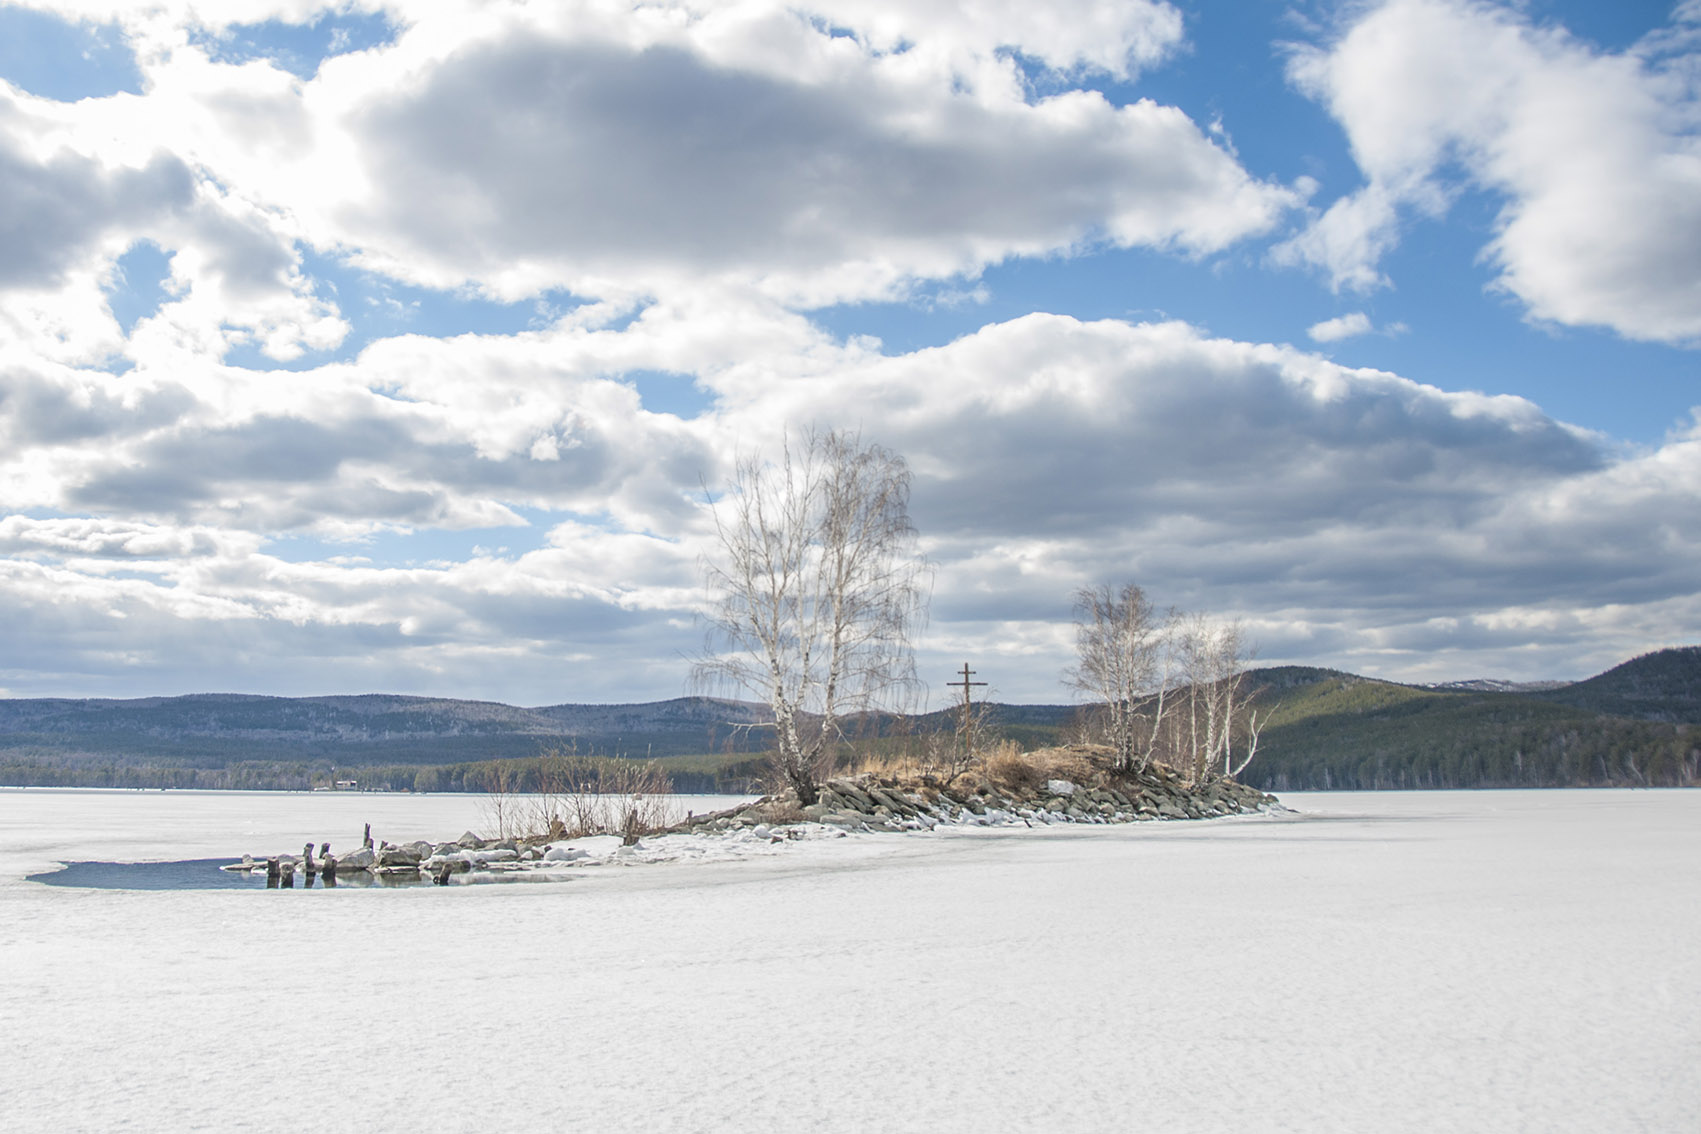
(365, 729)
(1636, 724)
(1662, 686)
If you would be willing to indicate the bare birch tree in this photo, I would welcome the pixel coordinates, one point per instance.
(816, 592)
(1166, 684)
(1123, 645)
(1220, 714)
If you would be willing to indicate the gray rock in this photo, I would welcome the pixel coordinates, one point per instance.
(893, 800)
(362, 859)
(398, 856)
(855, 796)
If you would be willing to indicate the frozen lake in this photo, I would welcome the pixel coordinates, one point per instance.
(1378, 962)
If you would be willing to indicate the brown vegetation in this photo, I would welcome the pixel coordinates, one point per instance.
(579, 797)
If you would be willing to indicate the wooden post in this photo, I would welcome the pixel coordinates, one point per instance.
(968, 725)
(366, 839)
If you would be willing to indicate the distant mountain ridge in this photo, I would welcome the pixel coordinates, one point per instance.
(364, 725)
(1632, 724)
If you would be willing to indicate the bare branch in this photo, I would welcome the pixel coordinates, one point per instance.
(817, 592)
(1122, 643)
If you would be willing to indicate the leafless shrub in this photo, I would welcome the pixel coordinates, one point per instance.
(639, 800)
(505, 810)
(579, 797)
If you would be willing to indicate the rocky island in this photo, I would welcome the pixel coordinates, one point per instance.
(1075, 784)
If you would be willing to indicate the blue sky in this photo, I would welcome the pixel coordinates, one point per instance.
(384, 346)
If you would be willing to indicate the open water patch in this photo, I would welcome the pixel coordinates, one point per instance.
(189, 874)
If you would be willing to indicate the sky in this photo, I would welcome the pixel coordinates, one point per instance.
(392, 347)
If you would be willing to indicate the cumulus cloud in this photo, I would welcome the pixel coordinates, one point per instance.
(1594, 154)
(84, 183)
(814, 153)
(704, 174)
(60, 206)
(1351, 512)
(400, 439)
(1341, 327)
(578, 162)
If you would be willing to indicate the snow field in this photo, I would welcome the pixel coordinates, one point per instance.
(1395, 962)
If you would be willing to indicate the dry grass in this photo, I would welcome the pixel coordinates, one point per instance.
(1000, 766)
(1016, 771)
(889, 766)
(786, 811)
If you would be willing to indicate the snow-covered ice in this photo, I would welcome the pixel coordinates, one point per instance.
(1376, 962)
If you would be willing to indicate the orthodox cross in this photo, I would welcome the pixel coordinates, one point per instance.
(968, 706)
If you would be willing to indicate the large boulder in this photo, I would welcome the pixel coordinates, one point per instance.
(363, 859)
(398, 856)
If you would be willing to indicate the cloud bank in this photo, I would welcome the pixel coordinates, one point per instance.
(673, 191)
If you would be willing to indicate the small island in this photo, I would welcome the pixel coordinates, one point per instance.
(1073, 784)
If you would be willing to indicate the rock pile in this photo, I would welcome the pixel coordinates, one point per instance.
(407, 862)
(1054, 786)
(869, 802)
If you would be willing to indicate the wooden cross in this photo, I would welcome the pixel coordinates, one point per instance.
(968, 706)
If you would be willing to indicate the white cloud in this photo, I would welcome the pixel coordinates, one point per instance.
(87, 181)
(1341, 327)
(810, 153)
(703, 172)
(1351, 514)
(815, 169)
(1596, 155)
(608, 150)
